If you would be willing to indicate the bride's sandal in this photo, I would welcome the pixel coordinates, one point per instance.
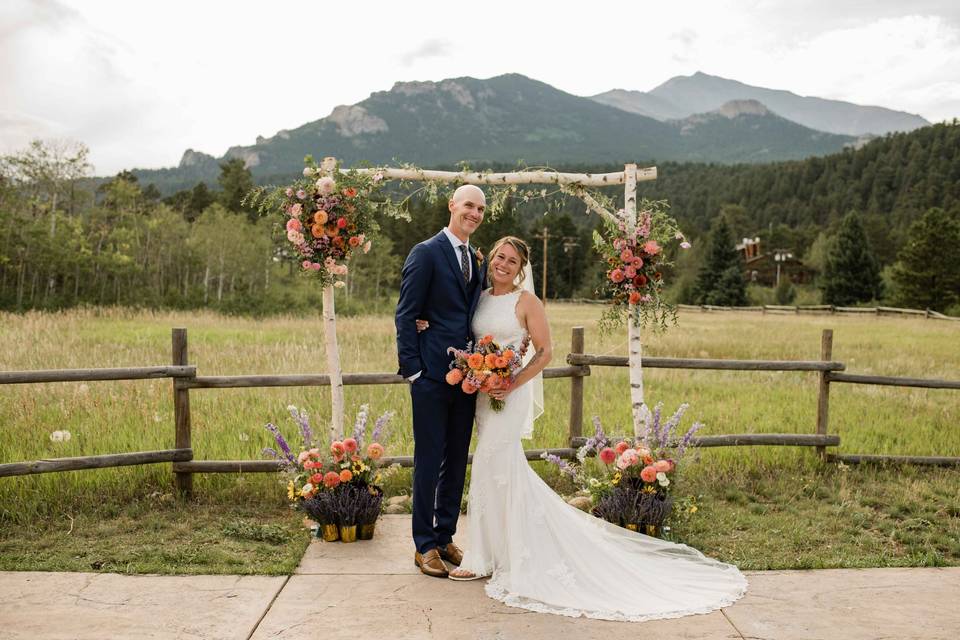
(464, 575)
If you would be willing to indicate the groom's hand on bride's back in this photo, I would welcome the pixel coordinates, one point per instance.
(422, 325)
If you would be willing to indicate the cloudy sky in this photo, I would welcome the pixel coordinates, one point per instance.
(141, 82)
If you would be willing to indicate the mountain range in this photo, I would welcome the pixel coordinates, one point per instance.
(512, 118)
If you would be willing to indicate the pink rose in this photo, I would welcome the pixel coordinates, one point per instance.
(627, 459)
(301, 194)
(651, 247)
(350, 445)
(305, 264)
(607, 455)
(649, 474)
(366, 247)
(293, 224)
(289, 192)
(295, 209)
(620, 447)
(662, 465)
(316, 266)
(616, 275)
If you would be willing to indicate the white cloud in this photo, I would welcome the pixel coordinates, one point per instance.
(141, 83)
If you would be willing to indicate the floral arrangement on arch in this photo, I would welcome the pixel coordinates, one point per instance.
(631, 483)
(327, 218)
(635, 258)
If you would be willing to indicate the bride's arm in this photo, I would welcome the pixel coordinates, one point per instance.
(534, 316)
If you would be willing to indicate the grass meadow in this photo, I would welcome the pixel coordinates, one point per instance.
(760, 507)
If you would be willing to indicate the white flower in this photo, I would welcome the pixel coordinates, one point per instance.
(307, 172)
(244, 437)
(326, 185)
(684, 245)
(663, 479)
(56, 436)
(678, 236)
(366, 247)
(307, 488)
(378, 176)
(339, 284)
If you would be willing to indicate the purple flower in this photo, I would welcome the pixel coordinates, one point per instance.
(301, 419)
(687, 438)
(360, 426)
(673, 422)
(380, 424)
(270, 451)
(281, 442)
(564, 467)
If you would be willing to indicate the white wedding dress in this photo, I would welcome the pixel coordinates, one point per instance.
(545, 555)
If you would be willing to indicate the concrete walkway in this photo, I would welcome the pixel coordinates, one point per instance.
(372, 590)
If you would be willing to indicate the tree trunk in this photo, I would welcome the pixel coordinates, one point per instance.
(206, 285)
(333, 364)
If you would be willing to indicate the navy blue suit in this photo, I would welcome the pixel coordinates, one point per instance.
(432, 288)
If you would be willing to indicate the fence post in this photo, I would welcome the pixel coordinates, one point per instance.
(576, 387)
(181, 410)
(823, 396)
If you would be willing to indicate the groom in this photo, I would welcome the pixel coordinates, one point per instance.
(440, 283)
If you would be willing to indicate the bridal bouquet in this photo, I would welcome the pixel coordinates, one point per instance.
(338, 486)
(486, 366)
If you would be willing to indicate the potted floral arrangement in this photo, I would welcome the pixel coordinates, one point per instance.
(338, 486)
(630, 484)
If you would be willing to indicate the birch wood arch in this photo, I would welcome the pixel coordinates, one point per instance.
(576, 183)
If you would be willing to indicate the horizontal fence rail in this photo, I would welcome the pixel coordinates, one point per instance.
(91, 375)
(323, 380)
(702, 363)
(94, 462)
(748, 439)
(891, 381)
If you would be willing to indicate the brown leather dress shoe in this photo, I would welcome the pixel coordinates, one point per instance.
(431, 564)
(452, 554)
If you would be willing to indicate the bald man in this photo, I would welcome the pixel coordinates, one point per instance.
(441, 283)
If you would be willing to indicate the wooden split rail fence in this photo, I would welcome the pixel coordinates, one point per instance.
(185, 380)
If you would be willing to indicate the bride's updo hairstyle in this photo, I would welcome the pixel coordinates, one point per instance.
(522, 249)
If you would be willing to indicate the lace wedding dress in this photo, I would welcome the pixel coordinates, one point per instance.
(545, 555)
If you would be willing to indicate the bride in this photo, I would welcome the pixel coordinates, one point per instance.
(540, 553)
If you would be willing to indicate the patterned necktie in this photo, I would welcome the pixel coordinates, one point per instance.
(464, 264)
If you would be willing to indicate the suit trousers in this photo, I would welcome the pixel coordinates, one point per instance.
(442, 426)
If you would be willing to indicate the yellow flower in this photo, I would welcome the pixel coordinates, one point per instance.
(616, 478)
(290, 491)
(648, 489)
(693, 509)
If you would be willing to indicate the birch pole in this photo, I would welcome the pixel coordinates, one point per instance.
(639, 409)
(330, 339)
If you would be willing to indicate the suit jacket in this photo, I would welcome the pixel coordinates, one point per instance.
(432, 288)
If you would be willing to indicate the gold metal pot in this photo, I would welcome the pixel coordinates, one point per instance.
(365, 531)
(348, 533)
(329, 532)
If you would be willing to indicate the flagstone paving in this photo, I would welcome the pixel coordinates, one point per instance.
(372, 589)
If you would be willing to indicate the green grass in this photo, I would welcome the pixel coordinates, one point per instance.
(763, 507)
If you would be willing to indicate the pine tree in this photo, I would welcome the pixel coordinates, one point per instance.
(720, 280)
(851, 273)
(927, 272)
(235, 182)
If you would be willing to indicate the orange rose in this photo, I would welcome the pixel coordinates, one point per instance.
(468, 387)
(475, 360)
(316, 479)
(501, 362)
(454, 376)
(316, 231)
(320, 217)
(350, 192)
(346, 475)
(490, 361)
(332, 230)
(508, 354)
(354, 241)
(487, 339)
